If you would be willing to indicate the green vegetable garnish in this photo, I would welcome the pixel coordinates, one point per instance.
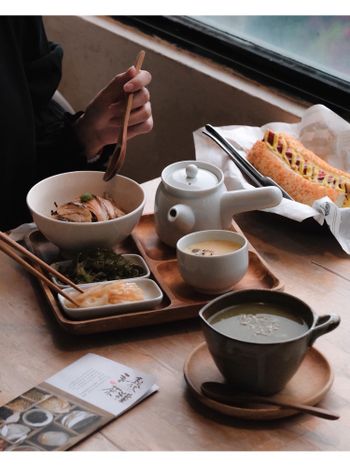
(100, 265)
(86, 197)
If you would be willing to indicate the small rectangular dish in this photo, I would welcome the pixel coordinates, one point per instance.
(134, 259)
(152, 296)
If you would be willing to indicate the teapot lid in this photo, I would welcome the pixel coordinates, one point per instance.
(192, 175)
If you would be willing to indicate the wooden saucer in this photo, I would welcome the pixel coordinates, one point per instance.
(311, 382)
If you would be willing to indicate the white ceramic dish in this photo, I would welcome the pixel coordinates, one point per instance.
(132, 258)
(152, 297)
(76, 236)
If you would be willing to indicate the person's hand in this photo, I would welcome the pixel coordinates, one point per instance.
(100, 123)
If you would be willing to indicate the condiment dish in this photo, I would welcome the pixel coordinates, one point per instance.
(152, 296)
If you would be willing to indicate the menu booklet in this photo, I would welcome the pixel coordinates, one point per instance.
(71, 405)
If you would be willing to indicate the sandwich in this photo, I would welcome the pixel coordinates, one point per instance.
(300, 172)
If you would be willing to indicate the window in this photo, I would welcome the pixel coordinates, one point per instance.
(305, 56)
(322, 42)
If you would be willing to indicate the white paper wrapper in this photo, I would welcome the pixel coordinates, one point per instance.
(320, 130)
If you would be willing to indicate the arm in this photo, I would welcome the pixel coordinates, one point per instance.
(98, 126)
(68, 142)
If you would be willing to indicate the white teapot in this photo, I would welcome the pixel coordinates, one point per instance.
(192, 196)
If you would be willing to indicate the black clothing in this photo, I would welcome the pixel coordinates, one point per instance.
(36, 139)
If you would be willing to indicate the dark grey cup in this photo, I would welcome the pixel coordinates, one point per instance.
(262, 368)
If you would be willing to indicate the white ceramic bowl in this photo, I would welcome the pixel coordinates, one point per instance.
(74, 236)
(212, 274)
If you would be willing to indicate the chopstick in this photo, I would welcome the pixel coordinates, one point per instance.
(139, 61)
(7, 250)
(116, 160)
(243, 164)
(38, 260)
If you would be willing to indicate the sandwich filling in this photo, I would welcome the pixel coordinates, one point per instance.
(296, 159)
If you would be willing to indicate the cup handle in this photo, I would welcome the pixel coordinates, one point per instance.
(324, 324)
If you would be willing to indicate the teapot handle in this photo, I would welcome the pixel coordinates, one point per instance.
(234, 202)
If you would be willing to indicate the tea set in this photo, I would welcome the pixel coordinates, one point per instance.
(192, 205)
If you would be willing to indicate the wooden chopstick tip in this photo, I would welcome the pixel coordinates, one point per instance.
(140, 58)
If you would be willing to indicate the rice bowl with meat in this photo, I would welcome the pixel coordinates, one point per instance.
(127, 195)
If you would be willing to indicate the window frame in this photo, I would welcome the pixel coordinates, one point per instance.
(265, 66)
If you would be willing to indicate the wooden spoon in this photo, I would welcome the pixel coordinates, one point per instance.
(227, 394)
(116, 160)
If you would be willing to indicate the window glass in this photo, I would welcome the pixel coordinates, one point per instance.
(322, 42)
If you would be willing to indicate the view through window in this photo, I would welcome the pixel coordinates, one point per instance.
(307, 57)
(322, 42)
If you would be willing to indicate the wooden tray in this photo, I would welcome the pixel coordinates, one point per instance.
(180, 300)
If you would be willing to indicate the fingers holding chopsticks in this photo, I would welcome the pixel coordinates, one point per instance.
(98, 126)
(137, 80)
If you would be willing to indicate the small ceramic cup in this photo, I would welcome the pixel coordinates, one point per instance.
(263, 367)
(218, 265)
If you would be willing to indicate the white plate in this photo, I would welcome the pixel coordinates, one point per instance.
(152, 297)
(132, 258)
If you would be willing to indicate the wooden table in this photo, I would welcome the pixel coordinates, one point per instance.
(310, 263)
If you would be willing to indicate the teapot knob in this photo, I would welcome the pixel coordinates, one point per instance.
(191, 171)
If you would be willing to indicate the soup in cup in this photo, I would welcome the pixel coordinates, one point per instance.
(258, 338)
(212, 261)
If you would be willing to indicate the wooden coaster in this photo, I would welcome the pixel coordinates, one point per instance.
(310, 383)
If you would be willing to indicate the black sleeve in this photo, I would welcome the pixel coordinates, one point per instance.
(58, 149)
(37, 139)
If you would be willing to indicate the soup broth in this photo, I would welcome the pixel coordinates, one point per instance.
(258, 323)
(212, 247)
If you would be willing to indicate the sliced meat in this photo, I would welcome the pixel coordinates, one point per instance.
(97, 209)
(73, 212)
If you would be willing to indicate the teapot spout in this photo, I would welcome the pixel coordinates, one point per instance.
(234, 202)
(181, 217)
